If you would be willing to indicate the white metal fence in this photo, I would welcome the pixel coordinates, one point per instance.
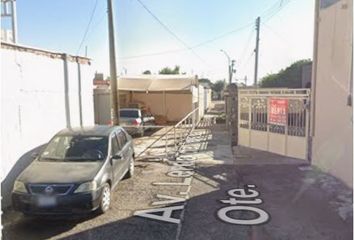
(256, 130)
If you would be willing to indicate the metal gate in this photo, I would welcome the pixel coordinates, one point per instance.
(282, 128)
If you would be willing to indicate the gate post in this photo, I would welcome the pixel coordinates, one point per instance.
(232, 112)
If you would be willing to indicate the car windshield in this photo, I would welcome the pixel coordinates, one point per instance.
(129, 113)
(76, 148)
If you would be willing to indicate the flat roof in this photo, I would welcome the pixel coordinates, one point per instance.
(43, 52)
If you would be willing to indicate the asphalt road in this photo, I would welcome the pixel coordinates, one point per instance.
(183, 200)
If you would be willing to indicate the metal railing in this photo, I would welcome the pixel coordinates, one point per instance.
(173, 138)
(254, 111)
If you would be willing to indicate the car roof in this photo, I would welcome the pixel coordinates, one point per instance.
(97, 130)
(131, 109)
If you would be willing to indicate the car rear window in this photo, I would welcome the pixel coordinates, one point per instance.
(129, 113)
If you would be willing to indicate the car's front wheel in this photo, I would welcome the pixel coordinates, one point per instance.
(105, 198)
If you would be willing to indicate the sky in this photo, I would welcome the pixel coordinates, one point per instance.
(152, 34)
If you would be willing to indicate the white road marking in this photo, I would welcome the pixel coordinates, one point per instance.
(263, 216)
(166, 216)
(171, 200)
(186, 182)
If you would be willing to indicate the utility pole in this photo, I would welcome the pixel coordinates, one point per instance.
(258, 22)
(113, 67)
(232, 70)
(9, 10)
(230, 64)
(86, 51)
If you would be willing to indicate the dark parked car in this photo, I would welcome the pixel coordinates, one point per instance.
(76, 172)
(135, 121)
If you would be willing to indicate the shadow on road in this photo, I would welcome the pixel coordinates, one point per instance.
(302, 204)
(294, 199)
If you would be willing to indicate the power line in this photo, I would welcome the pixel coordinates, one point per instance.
(276, 33)
(248, 42)
(277, 6)
(87, 27)
(194, 46)
(282, 5)
(170, 31)
(245, 63)
(285, 42)
(270, 12)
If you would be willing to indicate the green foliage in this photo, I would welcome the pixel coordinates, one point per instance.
(147, 72)
(218, 86)
(205, 80)
(290, 77)
(167, 70)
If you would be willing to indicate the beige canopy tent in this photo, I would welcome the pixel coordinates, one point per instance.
(151, 83)
(169, 96)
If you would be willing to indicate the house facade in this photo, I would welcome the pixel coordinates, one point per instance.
(332, 86)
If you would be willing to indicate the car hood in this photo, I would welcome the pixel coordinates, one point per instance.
(60, 172)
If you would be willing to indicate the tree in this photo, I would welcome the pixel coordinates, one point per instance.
(147, 72)
(217, 87)
(205, 80)
(167, 70)
(290, 77)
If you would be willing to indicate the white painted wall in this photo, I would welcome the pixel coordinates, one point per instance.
(207, 98)
(333, 117)
(201, 101)
(33, 107)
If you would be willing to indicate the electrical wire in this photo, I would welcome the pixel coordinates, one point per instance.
(282, 5)
(170, 31)
(87, 27)
(248, 42)
(194, 46)
(269, 13)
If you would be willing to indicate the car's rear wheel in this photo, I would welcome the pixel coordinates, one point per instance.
(105, 198)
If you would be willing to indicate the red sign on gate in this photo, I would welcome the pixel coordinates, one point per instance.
(278, 111)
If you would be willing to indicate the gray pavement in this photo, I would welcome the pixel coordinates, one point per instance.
(297, 201)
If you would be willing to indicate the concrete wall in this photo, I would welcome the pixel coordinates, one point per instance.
(201, 101)
(102, 107)
(208, 97)
(33, 106)
(332, 121)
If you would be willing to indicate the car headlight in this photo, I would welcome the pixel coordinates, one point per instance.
(19, 187)
(86, 187)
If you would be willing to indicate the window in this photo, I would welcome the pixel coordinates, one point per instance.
(131, 113)
(114, 145)
(122, 138)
